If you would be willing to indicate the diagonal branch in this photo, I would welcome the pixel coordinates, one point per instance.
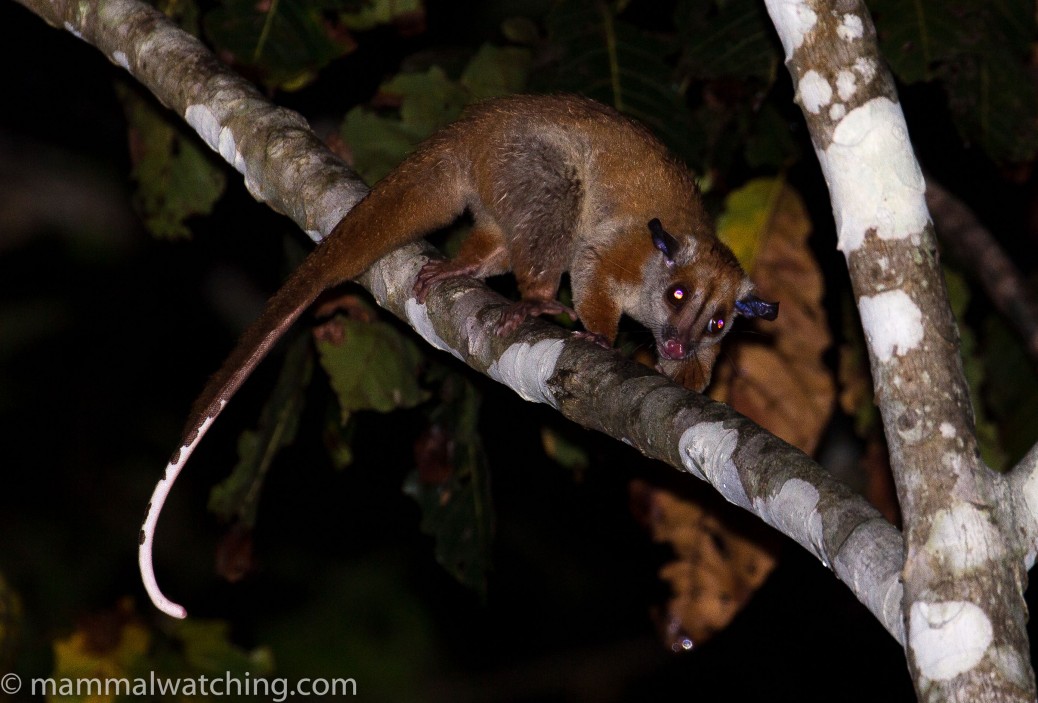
(283, 163)
(286, 166)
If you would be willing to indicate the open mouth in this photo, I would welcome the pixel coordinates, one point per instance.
(672, 349)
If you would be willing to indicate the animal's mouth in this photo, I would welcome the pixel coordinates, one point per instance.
(673, 349)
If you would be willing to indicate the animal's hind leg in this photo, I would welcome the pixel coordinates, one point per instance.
(537, 200)
(482, 254)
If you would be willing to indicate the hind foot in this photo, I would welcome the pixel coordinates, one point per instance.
(436, 271)
(514, 315)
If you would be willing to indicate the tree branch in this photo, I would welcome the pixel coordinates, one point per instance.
(1020, 492)
(287, 167)
(963, 601)
(971, 243)
(311, 185)
(592, 386)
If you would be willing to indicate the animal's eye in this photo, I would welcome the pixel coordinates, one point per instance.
(676, 295)
(715, 326)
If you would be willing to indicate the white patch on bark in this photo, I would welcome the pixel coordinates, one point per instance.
(220, 139)
(846, 84)
(949, 638)
(204, 121)
(815, 91)
(71, 29)
(706, 452)
(851, 28)
(963, 538)
(526, 369)
(947, 430)
(795, 504)
(873, 176)
(866, 68)
(892, 322)
(793, 19)
(120, 58)
(418, 317)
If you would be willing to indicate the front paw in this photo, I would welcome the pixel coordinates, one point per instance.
(595, 338)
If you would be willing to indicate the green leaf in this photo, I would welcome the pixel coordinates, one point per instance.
(338, 440)
(115, 644)
(621, 65)
(374, 368)
(1010, 388)
(107, 645)
(564, 451)
(748, 212)
(359, 619)
(207, 647)
(729, 60)
(285, 41)
(521, 30)
(496, 71)
(768, 142)
(177, 176)
(379, 12)
(237, 497)
(728, 38)
(451, 485)
(979, 52)
(428, 101)
(185, 13)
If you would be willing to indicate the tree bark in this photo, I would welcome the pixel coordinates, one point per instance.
(286, 166)
(969, 533)
(964, 574)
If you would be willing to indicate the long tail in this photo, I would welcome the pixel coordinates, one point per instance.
(424, 194)
(283, 309)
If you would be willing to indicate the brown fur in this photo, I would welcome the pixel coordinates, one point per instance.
(554, 184)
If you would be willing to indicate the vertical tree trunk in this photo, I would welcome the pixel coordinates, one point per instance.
(964, 578)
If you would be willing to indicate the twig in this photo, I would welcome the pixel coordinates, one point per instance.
(973, 245)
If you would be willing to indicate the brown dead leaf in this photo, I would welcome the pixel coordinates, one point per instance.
(717, 569)
(775, 375)
(332, 308)
(107, 645)
(433, 456)
(234, 554)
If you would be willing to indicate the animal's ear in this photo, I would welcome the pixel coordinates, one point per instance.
(663, 240)
(751, 306)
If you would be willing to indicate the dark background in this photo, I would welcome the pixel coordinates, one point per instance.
(106, 335)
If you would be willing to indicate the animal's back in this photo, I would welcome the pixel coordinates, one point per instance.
(625, 172)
